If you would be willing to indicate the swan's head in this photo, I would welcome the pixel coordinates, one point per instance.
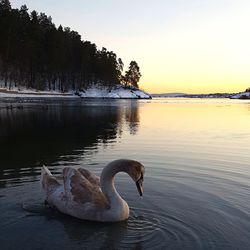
(136, 172)
(134, 169)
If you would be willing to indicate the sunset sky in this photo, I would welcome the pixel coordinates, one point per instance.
(191, 46)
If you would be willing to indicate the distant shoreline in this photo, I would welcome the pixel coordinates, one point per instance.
(241, 95)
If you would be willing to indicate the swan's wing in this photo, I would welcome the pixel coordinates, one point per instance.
(79, 189)
(48, 181)
(92, 178)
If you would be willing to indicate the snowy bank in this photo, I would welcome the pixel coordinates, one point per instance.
(15, 92)
(118, 92)
(241, 95)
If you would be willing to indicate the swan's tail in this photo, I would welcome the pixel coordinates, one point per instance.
(48, 181)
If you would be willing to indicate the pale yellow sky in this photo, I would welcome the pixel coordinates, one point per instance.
(192, 46)
(202, 52)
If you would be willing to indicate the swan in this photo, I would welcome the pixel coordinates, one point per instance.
(86, 196)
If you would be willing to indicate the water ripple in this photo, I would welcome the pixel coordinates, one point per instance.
(161, 232)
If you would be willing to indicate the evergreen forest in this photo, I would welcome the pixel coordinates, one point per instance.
(36, 54)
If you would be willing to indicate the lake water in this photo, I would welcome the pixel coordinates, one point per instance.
(197, 184)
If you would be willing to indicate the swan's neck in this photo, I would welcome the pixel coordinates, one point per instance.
(108, 187)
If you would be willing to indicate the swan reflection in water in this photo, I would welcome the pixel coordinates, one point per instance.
(96, 235)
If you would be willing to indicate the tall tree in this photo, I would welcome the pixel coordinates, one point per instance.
(132, 75)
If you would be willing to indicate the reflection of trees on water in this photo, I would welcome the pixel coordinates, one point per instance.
(129, 116)
(132, 118)
(31, 135)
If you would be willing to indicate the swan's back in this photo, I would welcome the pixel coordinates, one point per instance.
(76, 196)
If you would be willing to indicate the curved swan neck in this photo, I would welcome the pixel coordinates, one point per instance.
(107, 180)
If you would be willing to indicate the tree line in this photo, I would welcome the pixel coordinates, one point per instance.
(34, 53)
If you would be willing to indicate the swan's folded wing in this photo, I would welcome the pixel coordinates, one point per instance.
(79, 189)
(92, 178)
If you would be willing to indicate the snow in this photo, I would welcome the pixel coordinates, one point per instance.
(116, 92)
(92, 92)
(32, 93)
(241, 95)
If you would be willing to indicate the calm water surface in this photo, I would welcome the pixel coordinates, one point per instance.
(197, 184)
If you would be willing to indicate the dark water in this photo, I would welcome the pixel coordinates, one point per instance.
(197, 183)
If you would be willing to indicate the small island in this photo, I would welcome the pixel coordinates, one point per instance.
(39, 59)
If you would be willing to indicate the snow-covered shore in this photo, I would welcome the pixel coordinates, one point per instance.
(32, 93)
(241, 95)
(118, 92)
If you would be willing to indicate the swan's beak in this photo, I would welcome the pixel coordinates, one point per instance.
(140, 186)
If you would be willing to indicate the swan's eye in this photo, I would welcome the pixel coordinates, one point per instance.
(141, 177)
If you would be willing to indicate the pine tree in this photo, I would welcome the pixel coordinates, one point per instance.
(133, 75)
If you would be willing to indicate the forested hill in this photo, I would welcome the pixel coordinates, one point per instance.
(34, 53)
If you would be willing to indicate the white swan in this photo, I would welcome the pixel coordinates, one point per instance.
(85, 196)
